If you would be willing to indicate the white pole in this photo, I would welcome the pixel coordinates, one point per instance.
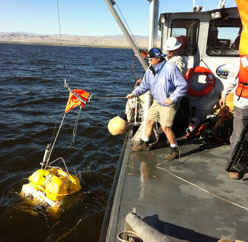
(153, 23)
(221, 4)
(153, 33)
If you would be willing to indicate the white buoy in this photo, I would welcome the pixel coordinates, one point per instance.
(117, 125)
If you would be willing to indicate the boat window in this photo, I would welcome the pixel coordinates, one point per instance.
(186, 31)
(224, 37)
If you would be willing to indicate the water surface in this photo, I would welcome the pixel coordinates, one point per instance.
(32, 104)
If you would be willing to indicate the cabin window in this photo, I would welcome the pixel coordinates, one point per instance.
(186, 31)
(224, 37)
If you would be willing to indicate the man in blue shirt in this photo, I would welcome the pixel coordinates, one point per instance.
(167, 86)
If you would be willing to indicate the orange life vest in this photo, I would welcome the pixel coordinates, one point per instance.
(242, 88)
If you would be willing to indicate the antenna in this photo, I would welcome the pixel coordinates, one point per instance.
(196, 8)
(221, 4)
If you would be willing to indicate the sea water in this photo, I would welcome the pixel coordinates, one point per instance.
(33, 99)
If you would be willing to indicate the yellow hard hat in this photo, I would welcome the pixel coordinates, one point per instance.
(117, 125)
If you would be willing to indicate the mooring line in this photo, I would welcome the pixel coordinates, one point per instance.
(203, 189)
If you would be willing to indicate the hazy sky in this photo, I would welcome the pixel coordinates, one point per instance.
(86, 17)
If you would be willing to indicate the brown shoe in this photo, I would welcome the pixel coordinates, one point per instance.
(174, 154)
(235, 175)
(142, 146)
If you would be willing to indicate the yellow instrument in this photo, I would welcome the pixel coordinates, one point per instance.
(50, 186)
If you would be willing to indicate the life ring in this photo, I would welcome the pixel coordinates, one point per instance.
(210, 81)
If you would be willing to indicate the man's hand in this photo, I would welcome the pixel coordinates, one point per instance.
(168, 101)
(222, 102)
(130, 95)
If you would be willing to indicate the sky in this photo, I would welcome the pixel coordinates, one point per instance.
(86, 17)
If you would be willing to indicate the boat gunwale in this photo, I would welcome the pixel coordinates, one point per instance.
(112, 193)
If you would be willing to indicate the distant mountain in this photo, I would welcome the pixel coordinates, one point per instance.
(114, 41)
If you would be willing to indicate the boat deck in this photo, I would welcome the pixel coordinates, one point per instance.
(188, 199)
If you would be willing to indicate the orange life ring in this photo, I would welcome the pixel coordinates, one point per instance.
(210, 81)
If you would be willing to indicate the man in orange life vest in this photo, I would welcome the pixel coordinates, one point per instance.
(237, 81)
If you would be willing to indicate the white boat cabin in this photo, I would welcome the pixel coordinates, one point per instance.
(209, 39)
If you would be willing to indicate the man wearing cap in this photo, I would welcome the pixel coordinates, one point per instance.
(167, 86)
(172, 45)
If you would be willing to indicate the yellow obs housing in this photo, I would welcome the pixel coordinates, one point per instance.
(51, 185)
(117, 125)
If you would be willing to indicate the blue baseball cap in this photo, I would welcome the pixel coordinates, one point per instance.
(154, 53)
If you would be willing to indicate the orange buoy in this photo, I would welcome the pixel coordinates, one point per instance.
(210, 81)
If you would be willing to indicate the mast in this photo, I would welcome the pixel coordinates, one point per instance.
(153, 23)
(153, 33)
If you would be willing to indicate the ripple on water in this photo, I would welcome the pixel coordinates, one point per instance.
(33, 100)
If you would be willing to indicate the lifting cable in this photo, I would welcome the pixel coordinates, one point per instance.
(107, 97)
(126, 24)
(132, 36)
(54, 137)
(66, 85)
(60, 34)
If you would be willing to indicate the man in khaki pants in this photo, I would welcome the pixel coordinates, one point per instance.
(167, 86)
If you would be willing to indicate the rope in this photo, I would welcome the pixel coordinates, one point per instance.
(127, 25)
(75, 128)
(109, 97)
(134, 71)
(60, 158)
(130, 235)
(54, 129)
(202, 189)
(63, 54)
(55, 139)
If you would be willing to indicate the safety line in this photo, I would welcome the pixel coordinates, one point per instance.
(202, 189)
(75, 128)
